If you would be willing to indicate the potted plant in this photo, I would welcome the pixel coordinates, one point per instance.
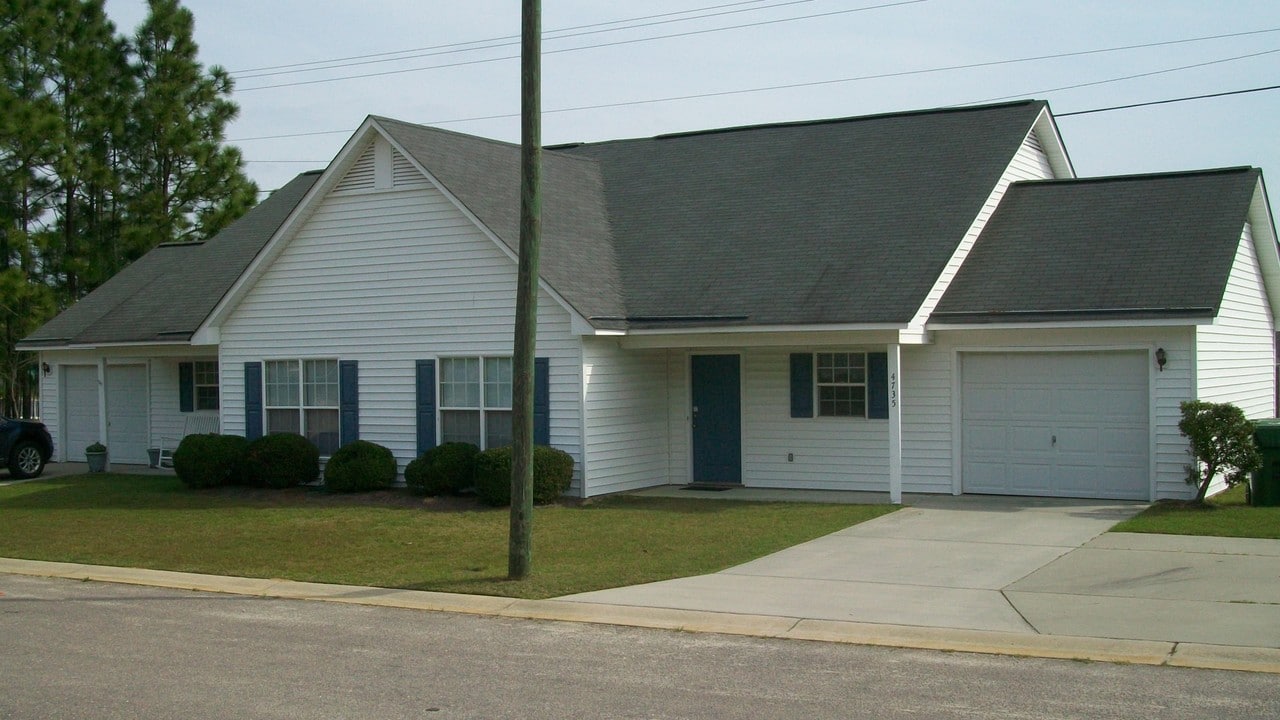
(96, 454)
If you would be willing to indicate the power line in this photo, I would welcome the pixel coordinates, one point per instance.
(501, 38)
(816, 83)
(1166, 102)
(585, 47)
(472, 45)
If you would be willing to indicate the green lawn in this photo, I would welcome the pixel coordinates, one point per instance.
(155, 522)
(1225, 515)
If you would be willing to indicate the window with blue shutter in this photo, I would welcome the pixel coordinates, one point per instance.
(541, 401)
(252, 400)
(348, 401)
(186, 387)
(801, 385)
(426, 403)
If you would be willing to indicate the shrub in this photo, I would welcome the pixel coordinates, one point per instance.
(552, 472)
(359, 466)
(442, 470)
(203, 461)
(282, 461)
(1221, 443)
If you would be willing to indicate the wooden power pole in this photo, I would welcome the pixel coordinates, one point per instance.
(520, 554)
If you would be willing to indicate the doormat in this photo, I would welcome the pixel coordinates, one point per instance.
(709, 487)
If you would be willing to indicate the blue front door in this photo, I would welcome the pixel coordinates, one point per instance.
(717, 419)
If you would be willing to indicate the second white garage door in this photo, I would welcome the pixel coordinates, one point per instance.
(1065, 424)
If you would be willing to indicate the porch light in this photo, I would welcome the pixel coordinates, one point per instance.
(44, 367)
(1161, 358)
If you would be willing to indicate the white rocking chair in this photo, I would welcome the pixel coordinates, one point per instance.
(196, 425)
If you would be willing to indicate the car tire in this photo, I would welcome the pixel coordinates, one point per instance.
(25, 461)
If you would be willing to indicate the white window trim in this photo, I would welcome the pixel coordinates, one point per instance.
(196, 385)
(865, 385)
(441, 408)
(301, 407)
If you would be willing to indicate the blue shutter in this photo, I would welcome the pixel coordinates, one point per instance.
(801, 385)
(541, 401)
(878, 385)
(186, 387)
(348, 401)
(252, 400)
(426, 391)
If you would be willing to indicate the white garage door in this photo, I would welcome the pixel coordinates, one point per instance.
(1056, 424)
(80, 411)
(127, 427)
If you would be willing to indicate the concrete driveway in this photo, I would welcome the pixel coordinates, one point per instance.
(1019, 565)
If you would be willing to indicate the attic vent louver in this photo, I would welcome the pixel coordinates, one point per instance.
(361, 175)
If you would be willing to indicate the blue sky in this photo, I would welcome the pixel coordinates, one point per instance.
(851, 39)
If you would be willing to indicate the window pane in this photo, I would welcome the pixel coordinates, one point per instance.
(460, 382)
(460, 426)
(497, 428)
(206, 373)
(282, 383)
(322, 429)
(842, 401)
(497, 383)
(320, 388)
(206, 397)
(283, 421)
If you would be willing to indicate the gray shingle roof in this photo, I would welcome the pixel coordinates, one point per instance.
(1129, 247)
(166, 294)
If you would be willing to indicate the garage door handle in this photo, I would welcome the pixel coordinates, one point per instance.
(1054, 440)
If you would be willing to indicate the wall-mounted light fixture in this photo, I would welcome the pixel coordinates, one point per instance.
(44, 367)
(1161, 358)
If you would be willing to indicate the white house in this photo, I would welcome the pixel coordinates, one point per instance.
(916, 302)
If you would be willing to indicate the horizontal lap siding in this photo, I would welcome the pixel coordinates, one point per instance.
(388, 278)
(1237, 352)
(829, 453)
(926, 420)
(626, 417)
(678, 405)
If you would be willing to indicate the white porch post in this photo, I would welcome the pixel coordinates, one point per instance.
(102, 406)
(895, 424)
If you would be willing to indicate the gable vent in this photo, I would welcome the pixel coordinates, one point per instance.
(361, 175)
(405, 174)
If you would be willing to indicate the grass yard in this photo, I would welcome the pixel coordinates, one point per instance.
(392, 540)
(1225, 515)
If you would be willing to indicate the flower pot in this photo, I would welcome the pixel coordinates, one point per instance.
(97, 461)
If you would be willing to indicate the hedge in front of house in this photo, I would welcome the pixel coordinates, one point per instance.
(552, 473)
(359, 466)
(281, 461)
(443, 470)
(210, 460)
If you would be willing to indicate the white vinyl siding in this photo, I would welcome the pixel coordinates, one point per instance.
(388, 278)
(1237, 352)
(1029, 163)
(827, 453)
(626, 415)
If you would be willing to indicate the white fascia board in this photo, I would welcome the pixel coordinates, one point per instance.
(768, 329)
(579, 324)
(1066, 325)
(338, 167)
(789, 336)
(1264, 245)
(100, 346)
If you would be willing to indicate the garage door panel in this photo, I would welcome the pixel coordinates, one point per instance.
(1074, 424)
(128, 433)
(80, 411)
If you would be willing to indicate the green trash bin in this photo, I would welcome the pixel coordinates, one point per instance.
(1265, 483)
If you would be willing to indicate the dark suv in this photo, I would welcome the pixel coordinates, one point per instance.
(25, 446)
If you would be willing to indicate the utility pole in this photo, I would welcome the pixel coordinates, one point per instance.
(519, 557)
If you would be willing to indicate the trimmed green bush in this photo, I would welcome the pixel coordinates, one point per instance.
(359, 466)
(203, 461)
(282, 460)
(1222, 443)
(552, 473)
(443, 470)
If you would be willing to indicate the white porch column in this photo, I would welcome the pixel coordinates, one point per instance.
(895, 424)
(102, 406)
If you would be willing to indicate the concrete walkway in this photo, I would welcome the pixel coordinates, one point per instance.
(1012, 565)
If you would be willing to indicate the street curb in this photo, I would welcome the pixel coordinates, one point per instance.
(1062, 647)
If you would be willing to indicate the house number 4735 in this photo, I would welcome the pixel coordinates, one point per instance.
(893, 390)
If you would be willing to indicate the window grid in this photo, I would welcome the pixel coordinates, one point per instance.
(301, 397)
(205, 377)
(841, 380)
(475, 400)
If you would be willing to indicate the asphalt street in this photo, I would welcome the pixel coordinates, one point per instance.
(94, 650)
